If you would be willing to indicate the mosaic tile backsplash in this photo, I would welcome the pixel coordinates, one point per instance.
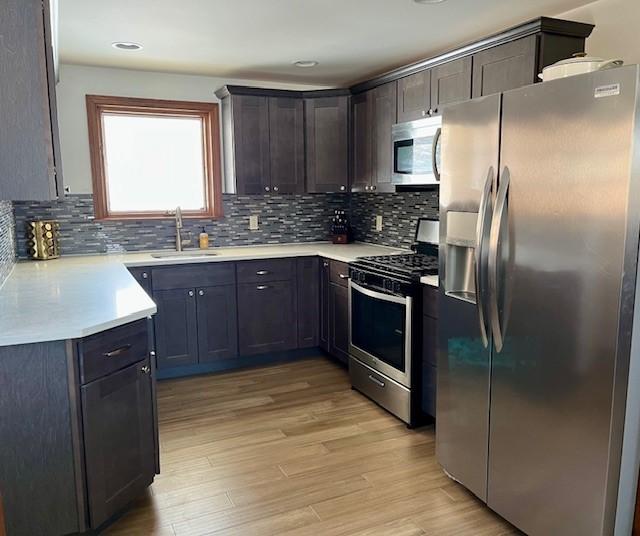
(7, 240)
(292, 218)
(399, 211)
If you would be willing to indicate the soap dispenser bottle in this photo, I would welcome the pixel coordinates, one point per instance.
(204, 239)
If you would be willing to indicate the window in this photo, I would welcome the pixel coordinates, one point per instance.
(150, 156)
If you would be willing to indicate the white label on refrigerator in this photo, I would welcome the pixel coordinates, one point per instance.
(610, 90)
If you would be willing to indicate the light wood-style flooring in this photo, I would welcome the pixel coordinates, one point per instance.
(292, 450)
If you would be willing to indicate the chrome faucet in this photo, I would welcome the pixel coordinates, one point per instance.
(179, 241)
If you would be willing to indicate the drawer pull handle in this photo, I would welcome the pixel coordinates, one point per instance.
(262, 287)
(344, 276)
(376, 381)
(117, 351)
(262, 272)
(145, 369)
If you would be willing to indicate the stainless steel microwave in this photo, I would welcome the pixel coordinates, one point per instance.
(416, 152)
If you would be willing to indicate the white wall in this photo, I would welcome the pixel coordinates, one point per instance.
(78, 81)
(617, 31)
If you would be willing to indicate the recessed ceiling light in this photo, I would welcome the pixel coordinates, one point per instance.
(305, 63)
(428, 1)
(126, 45)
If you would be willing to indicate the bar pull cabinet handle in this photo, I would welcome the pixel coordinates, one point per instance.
(118, 351)
(262, 272)
(343, 276)
(434, 154)
(262, 287)
(494, 245)
(482, 226)
(376, 381)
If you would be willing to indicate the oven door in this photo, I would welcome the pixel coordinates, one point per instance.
(380, 331)
(416, 152)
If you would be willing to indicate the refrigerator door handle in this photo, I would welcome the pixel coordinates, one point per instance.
(484, 213)
(494, 242)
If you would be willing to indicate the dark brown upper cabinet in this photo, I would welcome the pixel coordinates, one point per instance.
(263, 143)
(30, 150)
(450, 82)
(384, 117)
(414, 96)
(327, 144)
(505, 67)
(362, 112)
(517, 63)
(286, 145)
(246, 144)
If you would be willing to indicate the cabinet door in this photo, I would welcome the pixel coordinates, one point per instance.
(429, 364)
(143, 277)
(505, 67)
(286, 145)
(450, 82)
(324, 304)
(117, 413)
(308, 276)
(29, 146)
(217, 323)
(362, 109)
(251, 143)
(327, 142)
(175, 327)
(414, 96)
(267, 317)
(384, 115)
(339, 322)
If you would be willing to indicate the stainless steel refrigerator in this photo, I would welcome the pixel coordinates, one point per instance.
(538, 403)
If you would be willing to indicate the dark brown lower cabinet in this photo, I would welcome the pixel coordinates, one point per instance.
(325, 270)
(117, 414)
(217, 323)
(267, 317)
(176, 327)
(339, 321)
(429, 350)
(307, 274)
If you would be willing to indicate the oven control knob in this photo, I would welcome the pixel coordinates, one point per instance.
(387, 284)
(396, 287)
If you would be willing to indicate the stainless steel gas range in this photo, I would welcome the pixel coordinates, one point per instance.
(385, 311)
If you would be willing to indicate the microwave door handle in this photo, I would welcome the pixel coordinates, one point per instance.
(434, 149)
(494, 243)
(484, 213)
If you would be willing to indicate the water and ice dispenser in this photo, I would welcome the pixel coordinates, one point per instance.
(459, 250)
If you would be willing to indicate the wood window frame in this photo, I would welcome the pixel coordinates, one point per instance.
(208, 112)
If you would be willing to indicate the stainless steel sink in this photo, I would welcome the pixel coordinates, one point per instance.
(183, 254)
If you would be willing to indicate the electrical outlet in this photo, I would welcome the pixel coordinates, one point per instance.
(253, 222)
(378, 222)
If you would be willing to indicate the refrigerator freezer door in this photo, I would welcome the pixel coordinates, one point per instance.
(470, 149)
(562, 257)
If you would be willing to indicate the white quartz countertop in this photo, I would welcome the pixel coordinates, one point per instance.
(431, 280)
(77, 296)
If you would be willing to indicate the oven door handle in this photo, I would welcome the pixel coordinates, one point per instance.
(377, 295)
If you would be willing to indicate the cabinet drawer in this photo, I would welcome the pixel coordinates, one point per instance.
(111, 350)
(266, 270)
(193, 275)
(430, 301)
(339, 273)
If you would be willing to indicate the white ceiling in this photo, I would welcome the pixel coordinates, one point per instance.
(258, 39)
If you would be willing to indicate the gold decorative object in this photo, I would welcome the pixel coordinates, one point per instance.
(43, 239)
